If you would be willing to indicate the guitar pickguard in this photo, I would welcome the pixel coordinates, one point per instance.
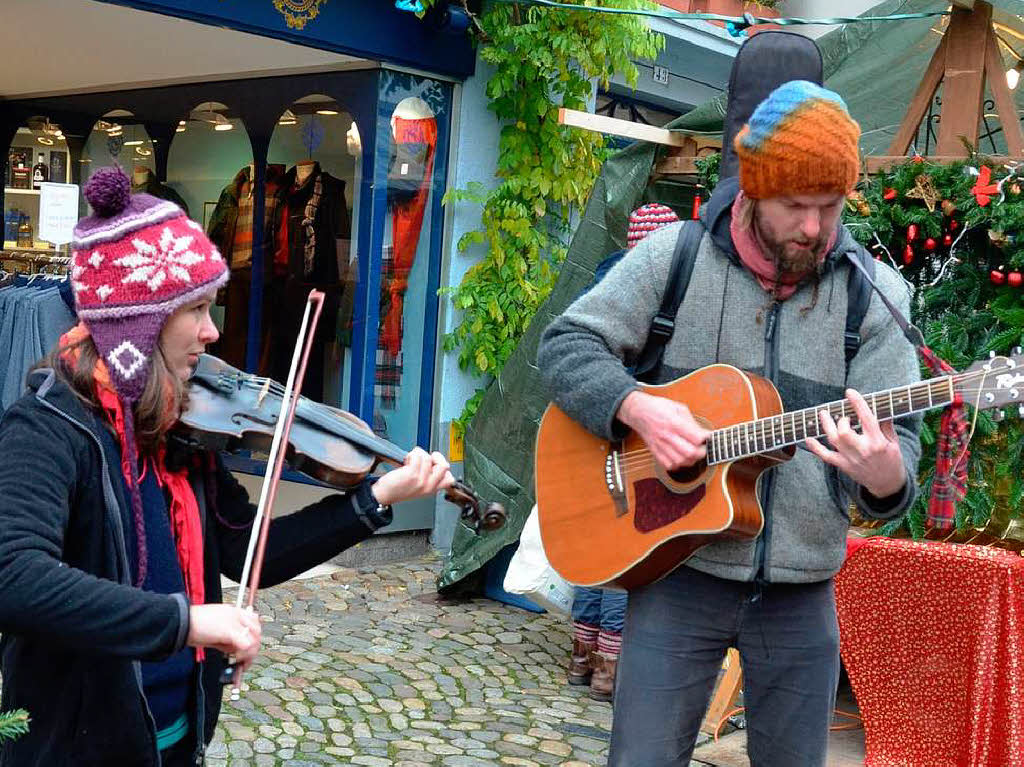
(657, 506)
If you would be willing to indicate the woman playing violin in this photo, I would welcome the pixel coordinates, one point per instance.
(111, 546)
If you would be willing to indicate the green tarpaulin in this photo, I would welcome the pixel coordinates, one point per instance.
(875, 66)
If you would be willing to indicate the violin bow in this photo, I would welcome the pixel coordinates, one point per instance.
(253, 567)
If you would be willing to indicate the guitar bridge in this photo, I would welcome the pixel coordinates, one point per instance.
(615, 480)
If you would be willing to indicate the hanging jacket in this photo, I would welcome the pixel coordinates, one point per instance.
(74, 630)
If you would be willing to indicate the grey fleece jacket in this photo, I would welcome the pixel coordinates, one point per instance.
(728, 317)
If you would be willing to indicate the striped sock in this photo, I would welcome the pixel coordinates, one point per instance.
(609, 643)
(584, 632)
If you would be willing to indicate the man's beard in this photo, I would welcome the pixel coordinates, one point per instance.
(791, 256)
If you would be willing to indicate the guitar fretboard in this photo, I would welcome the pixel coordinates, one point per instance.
(766, 435)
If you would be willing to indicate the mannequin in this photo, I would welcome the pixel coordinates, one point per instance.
(413, 108)
(303, 169)
(353, 143)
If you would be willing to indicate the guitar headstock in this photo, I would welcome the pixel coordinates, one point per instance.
(997, 382)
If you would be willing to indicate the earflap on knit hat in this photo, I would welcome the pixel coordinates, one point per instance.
(646, 219)
(799, 140)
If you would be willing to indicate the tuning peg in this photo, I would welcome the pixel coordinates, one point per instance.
(998, 416)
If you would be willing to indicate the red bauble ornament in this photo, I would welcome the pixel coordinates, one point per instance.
(1014, 279)
(889, 194)
(930, 244)
(998, 278)
(918, 158)
(947, 240)
(911, 232)
(908, 255)
(953, 225)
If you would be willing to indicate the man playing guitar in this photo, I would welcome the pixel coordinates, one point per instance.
(768, 294)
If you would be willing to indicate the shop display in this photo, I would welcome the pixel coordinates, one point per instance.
(314, 220)
(145, 181)
(25, 233)
(231, 230)
(58, 166)
(40, 172)
(18, 168)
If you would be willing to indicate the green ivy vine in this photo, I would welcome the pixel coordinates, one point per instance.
(543, 59)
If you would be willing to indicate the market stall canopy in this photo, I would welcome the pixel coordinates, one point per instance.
(876, 67)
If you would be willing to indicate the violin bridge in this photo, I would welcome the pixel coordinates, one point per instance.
(264, 390)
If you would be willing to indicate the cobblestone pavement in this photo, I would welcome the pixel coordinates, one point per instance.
(369, 667)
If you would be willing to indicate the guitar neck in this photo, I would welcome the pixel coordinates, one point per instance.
(766, 435)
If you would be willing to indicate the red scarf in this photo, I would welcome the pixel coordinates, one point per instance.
(184, 509)
(748, 246)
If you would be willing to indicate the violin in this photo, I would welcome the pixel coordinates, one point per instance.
(231, 410)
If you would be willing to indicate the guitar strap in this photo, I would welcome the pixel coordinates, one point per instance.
(859, 287)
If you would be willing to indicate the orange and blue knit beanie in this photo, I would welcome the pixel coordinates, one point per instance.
(799, 140)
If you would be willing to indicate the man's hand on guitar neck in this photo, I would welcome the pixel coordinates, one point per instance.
(871, 458)
(667, 427)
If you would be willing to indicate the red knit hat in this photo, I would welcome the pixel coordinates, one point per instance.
(133, 263)
(646, 219)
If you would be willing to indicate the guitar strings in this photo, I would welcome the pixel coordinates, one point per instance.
(642, 457)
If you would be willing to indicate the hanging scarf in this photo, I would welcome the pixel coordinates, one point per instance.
(309, 216)
(183, 508)
(951, 453)
(748, 246)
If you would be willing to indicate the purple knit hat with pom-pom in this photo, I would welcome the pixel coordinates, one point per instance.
(134, 262)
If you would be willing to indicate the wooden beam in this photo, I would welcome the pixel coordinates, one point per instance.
(963, 86)
(884, 162)
(1006, 107)
(624, 128)
(676, 165)
(919, 103)
(726, 692)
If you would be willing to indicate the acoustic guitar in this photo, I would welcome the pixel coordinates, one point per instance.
(610, 515)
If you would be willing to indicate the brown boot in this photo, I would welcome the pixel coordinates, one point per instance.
(579, 664)
(602, 683)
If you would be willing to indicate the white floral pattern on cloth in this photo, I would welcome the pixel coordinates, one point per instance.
(932, 635)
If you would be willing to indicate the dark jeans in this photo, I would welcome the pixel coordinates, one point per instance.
(677, 633)
(599, 607)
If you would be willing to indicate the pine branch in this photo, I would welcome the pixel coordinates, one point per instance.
(13, 724)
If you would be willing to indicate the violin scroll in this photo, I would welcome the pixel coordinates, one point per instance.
(476, 514)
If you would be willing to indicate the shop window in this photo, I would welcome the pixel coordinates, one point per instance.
(314, 166)
(210, 166)
(117, 139)
(38, 153)
(411, 112)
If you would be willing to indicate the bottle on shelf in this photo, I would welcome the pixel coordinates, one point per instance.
(12, 219)
(21, 175)
(25, 238)
(40, 172)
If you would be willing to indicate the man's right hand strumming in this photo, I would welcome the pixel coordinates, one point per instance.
(669, 430)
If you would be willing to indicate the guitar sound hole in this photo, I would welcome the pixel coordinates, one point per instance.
(689, 473)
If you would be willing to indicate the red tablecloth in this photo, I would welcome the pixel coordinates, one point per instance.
(932, 635)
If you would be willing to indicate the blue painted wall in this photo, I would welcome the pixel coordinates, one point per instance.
(372, 30)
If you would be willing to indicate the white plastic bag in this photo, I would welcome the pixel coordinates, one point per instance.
(530, 574)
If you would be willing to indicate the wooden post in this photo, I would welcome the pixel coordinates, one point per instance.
(965, 58)
(963, 86)
(726, 692)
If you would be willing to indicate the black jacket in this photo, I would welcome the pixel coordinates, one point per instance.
(73, 628)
